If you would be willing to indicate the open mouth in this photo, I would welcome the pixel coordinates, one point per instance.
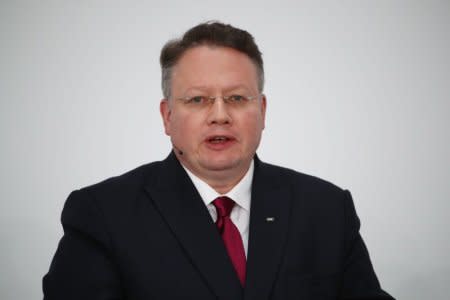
(219, 139)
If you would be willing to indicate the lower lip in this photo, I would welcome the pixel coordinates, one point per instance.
(221, 145)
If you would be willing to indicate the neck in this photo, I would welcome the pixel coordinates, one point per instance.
(222, 181)
(224, 185)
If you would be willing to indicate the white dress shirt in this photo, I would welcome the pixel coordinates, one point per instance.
(240, 194)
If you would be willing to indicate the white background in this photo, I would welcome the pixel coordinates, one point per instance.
(358, 94)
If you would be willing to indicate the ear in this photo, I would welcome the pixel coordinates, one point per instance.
(263, 109)
(164, 109)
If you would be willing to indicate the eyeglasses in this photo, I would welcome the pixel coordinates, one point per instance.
(201, 101)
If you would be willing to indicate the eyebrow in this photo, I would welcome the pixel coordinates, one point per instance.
(226, 90)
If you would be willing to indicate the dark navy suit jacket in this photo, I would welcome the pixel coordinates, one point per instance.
(148, 235)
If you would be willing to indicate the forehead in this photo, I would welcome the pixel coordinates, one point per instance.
(211, 67)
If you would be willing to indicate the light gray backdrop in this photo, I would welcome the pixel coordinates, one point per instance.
(358, 93)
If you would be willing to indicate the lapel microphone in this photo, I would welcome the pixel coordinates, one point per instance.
(177, 149)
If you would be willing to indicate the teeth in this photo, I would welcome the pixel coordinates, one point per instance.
(218, 139)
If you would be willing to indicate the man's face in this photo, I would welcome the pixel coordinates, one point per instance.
(218, 136)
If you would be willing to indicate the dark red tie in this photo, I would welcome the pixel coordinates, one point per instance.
(230, 235)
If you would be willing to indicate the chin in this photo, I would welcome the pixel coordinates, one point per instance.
(221, 164)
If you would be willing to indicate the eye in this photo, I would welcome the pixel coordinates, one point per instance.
(196, 100)
(237, 98)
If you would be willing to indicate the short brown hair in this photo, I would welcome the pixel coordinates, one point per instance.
(210, 33)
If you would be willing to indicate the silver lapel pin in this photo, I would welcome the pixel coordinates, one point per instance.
(270, 219)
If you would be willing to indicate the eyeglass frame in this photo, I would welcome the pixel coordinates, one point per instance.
(226, 99)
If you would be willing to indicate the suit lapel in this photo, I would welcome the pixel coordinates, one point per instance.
(269, 218)
(181, 206)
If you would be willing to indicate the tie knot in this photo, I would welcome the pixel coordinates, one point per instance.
(223, 205)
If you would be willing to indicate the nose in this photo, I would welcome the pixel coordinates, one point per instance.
(219, 112)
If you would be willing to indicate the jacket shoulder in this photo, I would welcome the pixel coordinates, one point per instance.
(129, 179)
(298, 179)
(120, 190)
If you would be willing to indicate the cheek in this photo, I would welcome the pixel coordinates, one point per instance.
(185, 126)
(252, 125)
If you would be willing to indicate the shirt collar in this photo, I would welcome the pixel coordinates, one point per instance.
(240, 193)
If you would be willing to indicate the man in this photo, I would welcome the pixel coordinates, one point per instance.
(211, 221)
